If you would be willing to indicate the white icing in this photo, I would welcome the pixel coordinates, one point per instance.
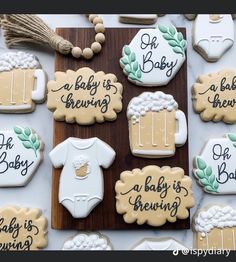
(39, 92)
(80, 161)
(81, 196)
(15, 154)
(159, 244)
(213, 38)
(223, 167)
(87, 242)
(157, 61)
(215, 217)
(16, 60)
(150, 102)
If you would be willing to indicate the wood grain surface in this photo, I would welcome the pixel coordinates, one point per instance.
(115, 133)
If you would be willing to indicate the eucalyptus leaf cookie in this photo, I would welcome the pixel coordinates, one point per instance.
(154, 56)
(21, 152)
(22, 82)
(215, 228)
(215, 168)
(84, 96)
(154, 195)
(214, 96)
(22, 229)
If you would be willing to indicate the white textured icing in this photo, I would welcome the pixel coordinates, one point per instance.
(215, 216)
(150, 102)
(16, 60)
(87, 242)
(80, 161)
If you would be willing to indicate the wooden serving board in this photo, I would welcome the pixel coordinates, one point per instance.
(115, 133)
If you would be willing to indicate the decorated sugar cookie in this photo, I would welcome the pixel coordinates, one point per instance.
(144, 19)
(154, 56)
(22, 229)
(215, 228)
(84, 97)
(88, 241)
(213, 35)
(153, 131)
(159, 244)
(214, 96)
(22, 82)
(154, 195)
(21, 151)
(215, 168)
(81, 182)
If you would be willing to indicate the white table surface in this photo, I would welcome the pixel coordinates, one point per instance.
(38, 192)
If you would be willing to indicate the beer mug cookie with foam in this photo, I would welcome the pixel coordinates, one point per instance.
(156, 125)
(22, 82)
(213, 35)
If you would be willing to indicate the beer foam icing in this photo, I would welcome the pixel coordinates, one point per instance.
(150, 102)
(215, 216)
(80, 161)
(18, 60)
(87, 242)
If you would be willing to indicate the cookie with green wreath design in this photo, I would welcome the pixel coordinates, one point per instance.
(215, 167)
(154, 56)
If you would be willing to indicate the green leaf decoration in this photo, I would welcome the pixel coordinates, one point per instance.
(175, 39)
(232, 137)
(205, 176)
(130, 65)
(201, 164)
(28, 138)
(234, 145)
(163, 29)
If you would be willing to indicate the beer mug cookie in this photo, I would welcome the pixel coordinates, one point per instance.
(215, 228)
(213, 35)
(22, 82)
(152, 118)
(81, 180)
(154, 56)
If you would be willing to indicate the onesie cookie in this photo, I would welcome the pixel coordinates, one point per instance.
(159, 244)
(22, 229)
(213, 35)
(84, 97)
(21, 152)
(154, 119)
(154, 195)
(81, 186)
(154, 56)
(88, 241)
(145, 19)
(22, 82)
(214, 96)
(214, 168)
(215, 228)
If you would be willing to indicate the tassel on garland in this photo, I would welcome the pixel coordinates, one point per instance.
(30, 28)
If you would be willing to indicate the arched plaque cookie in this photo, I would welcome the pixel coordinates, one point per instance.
(213, 35)
(215, 228)
(214, 96)
(84, 96)
(156, 125)
(21, 151)
(22, 229)
(22, 82)
(215, 168)
(154, 56)
(154, 195)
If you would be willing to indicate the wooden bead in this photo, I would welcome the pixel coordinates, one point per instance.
(100, 38)
(76, 52)
(87, 53)
(99, 28)
(96, 47)
(97, 20)
(91, 17)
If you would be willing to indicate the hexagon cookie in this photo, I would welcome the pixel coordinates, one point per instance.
(215, 168)
(154, 56)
